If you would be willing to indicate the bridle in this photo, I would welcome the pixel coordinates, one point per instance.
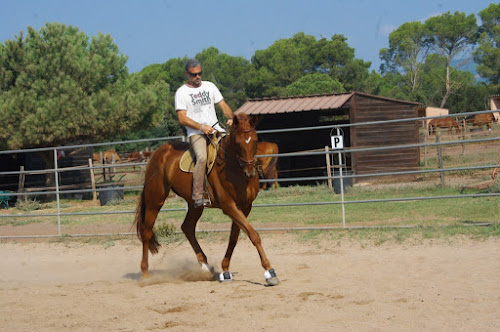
(241, 161)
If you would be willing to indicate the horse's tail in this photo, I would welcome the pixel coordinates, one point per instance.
(139, 222)
(430, 128)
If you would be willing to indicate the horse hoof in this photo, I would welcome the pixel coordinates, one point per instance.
(225, 276)
(271, 278)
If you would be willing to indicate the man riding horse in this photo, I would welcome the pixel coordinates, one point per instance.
(194, 103)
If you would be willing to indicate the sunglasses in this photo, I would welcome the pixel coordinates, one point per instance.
(194, 74)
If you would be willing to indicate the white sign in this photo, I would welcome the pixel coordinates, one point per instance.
(337, 142)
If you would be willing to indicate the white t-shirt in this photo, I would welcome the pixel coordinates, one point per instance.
(200, 105)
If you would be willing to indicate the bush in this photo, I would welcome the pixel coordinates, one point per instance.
(165, 230)
(495, 188)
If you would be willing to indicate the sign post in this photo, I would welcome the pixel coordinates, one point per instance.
(338, 144)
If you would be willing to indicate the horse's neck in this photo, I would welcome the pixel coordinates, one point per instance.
(226, 149)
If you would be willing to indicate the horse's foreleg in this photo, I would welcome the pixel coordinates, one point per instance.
(242, 222)
(233, 240)
(189, 229)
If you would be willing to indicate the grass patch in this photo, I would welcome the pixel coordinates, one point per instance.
(427, 215)
(20, 222)
(417, 234)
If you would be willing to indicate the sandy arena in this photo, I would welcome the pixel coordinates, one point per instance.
(444, 285)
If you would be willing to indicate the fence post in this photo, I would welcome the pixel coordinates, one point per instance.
(426, 137)
(92, 180)
(463, 136)
(328, 168)
(440, 159)
(113, 161)
(142, 172)
(20, 186)
(57, 194)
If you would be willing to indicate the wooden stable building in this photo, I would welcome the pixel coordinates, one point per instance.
(495, 105)
(336, 109)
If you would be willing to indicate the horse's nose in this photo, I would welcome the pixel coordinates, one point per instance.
(250, 174)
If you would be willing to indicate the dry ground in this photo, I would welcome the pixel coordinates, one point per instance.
(447, 284)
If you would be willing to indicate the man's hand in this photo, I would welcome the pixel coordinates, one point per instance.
(207, 130)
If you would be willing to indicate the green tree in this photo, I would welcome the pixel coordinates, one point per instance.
(487, 55)
(451, 34)
(287, 60)
(336, 58)
(315, 83)
(59, 87)
(434, 87)
(408, 48)
(390, 85)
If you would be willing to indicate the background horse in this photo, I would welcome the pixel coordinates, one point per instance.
(267, 165)
(479, 120)
(233, 185)
(139, 156)
(443, 123)
(107, 156)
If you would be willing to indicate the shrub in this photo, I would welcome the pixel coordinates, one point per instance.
(165, 230)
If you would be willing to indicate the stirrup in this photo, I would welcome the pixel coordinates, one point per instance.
(201, 202)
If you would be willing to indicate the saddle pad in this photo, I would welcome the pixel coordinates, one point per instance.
(187, 160)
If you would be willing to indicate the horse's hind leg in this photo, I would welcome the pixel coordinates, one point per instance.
(152, 200)
(189, 229)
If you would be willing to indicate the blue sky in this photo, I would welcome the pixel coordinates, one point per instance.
(154, 31)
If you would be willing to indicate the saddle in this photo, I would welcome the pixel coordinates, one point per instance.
(188, 158)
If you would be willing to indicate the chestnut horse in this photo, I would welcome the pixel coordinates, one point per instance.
(107, 156)
(267, 165)
(233, 185)
(443, 123)
(479, 120)
(139, 156)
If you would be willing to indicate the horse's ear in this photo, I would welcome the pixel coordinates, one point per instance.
(253, 120)
(236, 122)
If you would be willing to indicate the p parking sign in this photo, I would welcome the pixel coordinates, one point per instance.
(337, 142)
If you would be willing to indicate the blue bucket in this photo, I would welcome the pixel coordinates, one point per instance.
(112, 192)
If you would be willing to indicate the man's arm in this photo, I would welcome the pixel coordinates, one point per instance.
(187, 121)
(228, 112)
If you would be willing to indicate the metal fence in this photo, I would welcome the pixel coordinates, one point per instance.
(339, 175)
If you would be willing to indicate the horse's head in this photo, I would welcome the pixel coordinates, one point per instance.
(245, 142)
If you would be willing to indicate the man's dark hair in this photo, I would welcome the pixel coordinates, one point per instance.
(192, 63)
